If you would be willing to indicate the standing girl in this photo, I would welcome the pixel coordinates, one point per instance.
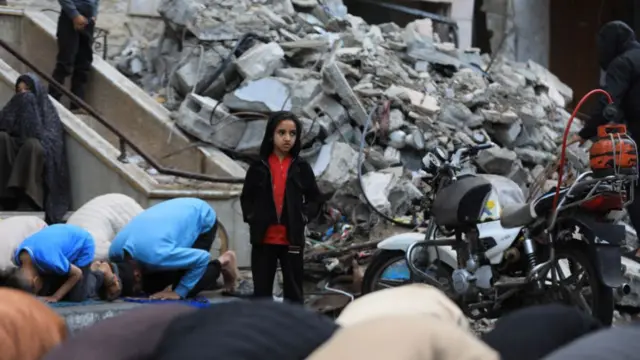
(279, 191)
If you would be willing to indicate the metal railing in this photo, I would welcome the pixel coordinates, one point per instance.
(100, 38)
(124, 141)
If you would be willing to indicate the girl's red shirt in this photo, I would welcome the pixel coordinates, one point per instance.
(277, 234)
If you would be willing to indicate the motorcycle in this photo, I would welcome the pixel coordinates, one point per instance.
(492, 259)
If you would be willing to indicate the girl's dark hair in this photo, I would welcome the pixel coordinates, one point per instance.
(266, 148)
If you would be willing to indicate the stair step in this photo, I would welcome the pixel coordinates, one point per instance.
(40, 214)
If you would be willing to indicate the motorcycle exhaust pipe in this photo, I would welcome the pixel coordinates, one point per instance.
(506, 281)
(622, 291)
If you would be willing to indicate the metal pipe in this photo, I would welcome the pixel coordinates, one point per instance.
(623, 290)
(151, 161)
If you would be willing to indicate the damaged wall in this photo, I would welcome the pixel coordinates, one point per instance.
(526, 25)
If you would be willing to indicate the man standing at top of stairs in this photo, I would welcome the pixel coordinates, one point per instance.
(75, 38)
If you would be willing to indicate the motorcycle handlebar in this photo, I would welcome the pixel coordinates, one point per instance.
(468, 151)
(481, 147)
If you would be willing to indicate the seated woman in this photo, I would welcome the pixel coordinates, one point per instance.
(33, 166)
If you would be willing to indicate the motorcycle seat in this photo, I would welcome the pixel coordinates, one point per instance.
(517, 215)
(523, 214)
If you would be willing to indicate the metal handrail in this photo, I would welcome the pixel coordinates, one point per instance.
(123, 139)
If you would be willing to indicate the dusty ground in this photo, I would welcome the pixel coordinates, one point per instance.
(112, 17)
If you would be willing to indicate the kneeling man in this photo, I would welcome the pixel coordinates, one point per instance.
(164, 251)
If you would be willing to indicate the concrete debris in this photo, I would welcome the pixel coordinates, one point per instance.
(336, 72)
(260, 61)
(262, 95)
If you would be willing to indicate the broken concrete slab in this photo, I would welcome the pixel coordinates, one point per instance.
(335, 166)
(262, 95)
(302, 91)
(252, 137)
(332, 75)
(330, 113)
(496, 160)
(534, 156)
(260, 61)
(221, 129)
(377, 187)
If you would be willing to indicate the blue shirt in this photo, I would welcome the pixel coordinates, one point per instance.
(54, 248)
(161, 238)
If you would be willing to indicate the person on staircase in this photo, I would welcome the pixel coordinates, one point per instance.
(164, 251)
(619, 57)
(34, 173)
(76, 25)
(279, 195)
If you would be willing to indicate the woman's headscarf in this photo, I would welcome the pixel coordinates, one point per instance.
(29, 329)
(416, 300)
(404, 337)
(246, 330)
(619, 343)
(533, 332)
(33, 115)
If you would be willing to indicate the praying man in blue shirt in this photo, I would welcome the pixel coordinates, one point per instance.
(164, 251)
(56, 264)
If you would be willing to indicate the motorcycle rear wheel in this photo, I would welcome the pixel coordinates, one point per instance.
(383, 261)
(601, 302)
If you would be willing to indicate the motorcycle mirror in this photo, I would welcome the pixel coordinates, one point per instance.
(440, 153)
(431, 161)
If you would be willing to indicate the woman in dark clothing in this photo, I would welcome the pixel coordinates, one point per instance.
(276, 200)
(245, 330)
(33, 164)
(534, 332)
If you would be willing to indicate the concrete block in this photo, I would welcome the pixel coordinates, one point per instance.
(220, 129)
(331, 74)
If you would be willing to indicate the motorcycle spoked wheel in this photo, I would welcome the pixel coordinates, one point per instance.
(384, 261)
(599, 299)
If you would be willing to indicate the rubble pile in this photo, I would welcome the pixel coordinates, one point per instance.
(333, 70)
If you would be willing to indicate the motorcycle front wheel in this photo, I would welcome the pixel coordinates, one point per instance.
(574, 279)
(388, 269)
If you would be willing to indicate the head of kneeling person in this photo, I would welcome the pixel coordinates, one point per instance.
(130, 277)
(17, 279)
(25, 277)
(111, 287)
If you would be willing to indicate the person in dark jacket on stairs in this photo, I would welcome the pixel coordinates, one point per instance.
(619, 57)
(279, 194)
(76, 24)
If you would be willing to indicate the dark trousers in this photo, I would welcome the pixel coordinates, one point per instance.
(264, 263)
(87, 288)
(156, 281)
(75, 55)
